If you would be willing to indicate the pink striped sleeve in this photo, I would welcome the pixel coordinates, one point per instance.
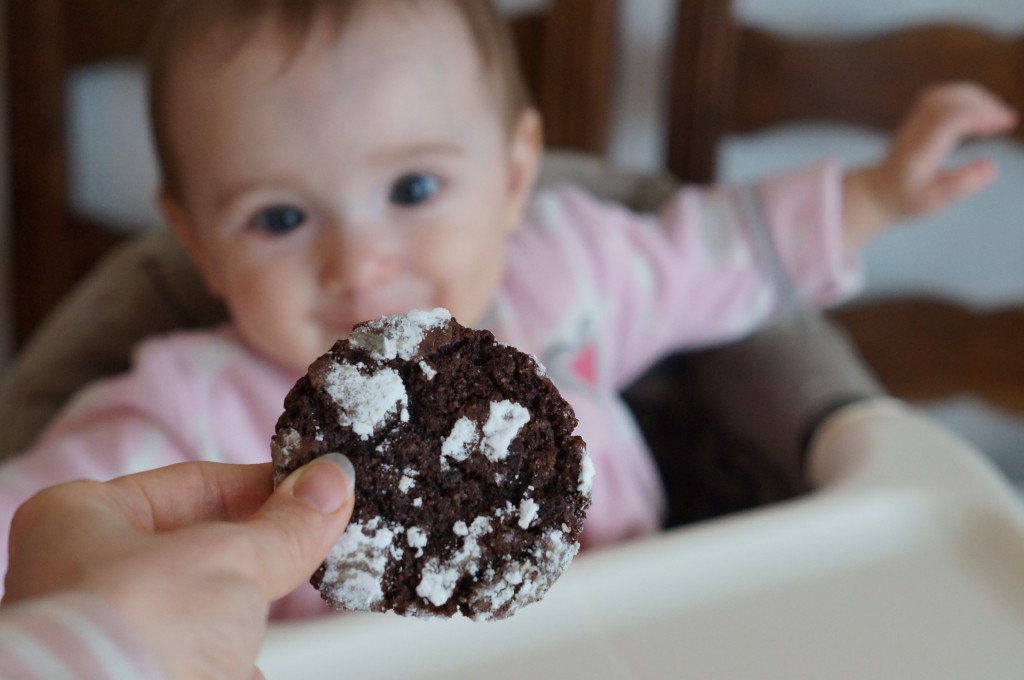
(803, 211)
(70, 635)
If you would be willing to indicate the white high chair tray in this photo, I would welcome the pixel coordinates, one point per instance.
(907, 563)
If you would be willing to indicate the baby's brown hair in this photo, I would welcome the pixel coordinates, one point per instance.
(228, 24)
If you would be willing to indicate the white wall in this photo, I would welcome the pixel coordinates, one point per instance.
(639, 108)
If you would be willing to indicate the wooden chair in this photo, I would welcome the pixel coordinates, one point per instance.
(52, 247)
(732, 78)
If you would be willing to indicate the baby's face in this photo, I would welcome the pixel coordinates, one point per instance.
(363, 176)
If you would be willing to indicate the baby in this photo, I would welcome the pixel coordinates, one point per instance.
(326, 162)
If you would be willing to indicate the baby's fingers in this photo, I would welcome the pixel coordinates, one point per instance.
(947, 115)
(951, 185)
(967, 107)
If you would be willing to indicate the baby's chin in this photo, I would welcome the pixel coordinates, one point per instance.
(400, 296)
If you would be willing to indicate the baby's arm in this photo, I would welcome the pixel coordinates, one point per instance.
(912, 180)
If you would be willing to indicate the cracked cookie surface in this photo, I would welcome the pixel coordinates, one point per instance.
(471, 486)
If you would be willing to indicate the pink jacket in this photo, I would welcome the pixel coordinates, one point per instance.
(596, 292)
(70, 635)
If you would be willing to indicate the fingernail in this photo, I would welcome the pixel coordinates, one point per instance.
(321, 487)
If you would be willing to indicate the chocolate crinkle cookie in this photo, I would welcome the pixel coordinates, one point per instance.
(471, 486)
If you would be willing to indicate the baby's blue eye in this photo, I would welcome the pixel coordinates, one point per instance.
(414, 189)
(280, 219)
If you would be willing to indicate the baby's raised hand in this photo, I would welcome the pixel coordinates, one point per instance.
(913, 179)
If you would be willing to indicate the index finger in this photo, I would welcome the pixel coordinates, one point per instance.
(178, 495)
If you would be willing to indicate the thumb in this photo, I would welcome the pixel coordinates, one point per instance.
(301, 522)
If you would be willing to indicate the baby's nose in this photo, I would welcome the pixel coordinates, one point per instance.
(355, 259)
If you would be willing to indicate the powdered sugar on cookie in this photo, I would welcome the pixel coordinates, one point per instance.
(392, 337)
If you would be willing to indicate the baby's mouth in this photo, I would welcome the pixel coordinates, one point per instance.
(342, 323)
(397, 297)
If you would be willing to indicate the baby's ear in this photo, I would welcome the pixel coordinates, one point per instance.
(181, 225)
(525, 149)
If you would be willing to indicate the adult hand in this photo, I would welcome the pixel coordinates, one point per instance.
(190, 555)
